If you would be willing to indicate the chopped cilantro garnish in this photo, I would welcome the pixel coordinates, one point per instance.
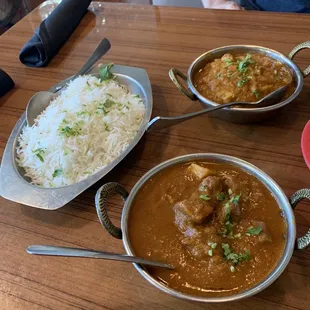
(232, 268)
(204, 197)
(210, 253)
(108, 103)
(235, 258)
(57, 173)
(221, 196)
(256, 93)
(228, 62)
(242, 65)
(254, 231)
(105, 73)
(68, 131)
(240, 83)
(235, 199)
(39, 153)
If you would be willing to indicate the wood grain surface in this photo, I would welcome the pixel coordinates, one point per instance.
(155, 38)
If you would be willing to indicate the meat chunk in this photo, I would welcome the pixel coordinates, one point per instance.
(257, 231)
(229, 183)
(199, 171)
(198, 241)
(195, 208)
(211, 185)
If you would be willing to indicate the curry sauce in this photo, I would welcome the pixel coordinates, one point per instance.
(217, 225)
(243, 77)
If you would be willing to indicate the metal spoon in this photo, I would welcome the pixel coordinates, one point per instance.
(161, 122)
(75, 252)
(41, 100)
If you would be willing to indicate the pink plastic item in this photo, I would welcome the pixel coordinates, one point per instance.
(305, 143)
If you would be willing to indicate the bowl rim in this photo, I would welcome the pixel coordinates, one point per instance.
(293, 66)
(280, 197)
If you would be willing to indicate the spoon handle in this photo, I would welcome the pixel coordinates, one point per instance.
(101, 49)
(161, 122)
(74, 252)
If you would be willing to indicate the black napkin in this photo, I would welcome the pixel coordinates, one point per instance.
(53, 32)
(6, 83)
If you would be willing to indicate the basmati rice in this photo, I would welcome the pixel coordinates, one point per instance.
(84, 129)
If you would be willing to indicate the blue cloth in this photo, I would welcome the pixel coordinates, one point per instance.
(53, 32)
(295, 6)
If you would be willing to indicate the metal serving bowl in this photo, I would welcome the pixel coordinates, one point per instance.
(241, 115)
(284, 203)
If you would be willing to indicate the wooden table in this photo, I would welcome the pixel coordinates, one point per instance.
(155, 38)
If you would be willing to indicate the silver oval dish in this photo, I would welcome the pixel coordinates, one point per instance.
(241, 115)
(284, 204)
(15, 186)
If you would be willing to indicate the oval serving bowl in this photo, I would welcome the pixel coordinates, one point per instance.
(15, 186)
(285, 205)
(241, 115)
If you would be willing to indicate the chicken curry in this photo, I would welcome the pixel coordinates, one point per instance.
(216, 224)
(244, 77)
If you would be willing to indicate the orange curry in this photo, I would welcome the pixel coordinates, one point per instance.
(216, 224)
(244, 77)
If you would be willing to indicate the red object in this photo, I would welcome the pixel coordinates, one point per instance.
(305, 143)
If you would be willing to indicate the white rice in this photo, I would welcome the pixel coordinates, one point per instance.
(84, 129)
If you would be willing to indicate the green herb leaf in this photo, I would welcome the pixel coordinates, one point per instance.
(39, 153)
(108, 103)
(256, 93)
(68, 131)
(235, 258)
(57, 173)
(228, 62)
(210, 253)
(213, 245)
(221, 196)
(232, 268)
(242, 65)
(204, 197)
(236, 199)
(105, 73)
(241, 82)
(254, 231)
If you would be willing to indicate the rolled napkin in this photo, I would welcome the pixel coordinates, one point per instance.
(53, 32)
(6, 83)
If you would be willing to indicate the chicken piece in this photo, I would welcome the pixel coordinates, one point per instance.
(211, 185)
(195, 208)
(199, 171)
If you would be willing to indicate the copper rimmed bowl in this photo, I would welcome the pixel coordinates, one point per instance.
(286, 206)
(241, 115)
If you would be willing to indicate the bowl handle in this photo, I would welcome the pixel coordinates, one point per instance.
(302, 242)
(298, 48)
(101, 201)
(174, 75)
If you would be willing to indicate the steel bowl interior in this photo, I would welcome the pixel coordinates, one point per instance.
(209, 56)
(276, 191)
